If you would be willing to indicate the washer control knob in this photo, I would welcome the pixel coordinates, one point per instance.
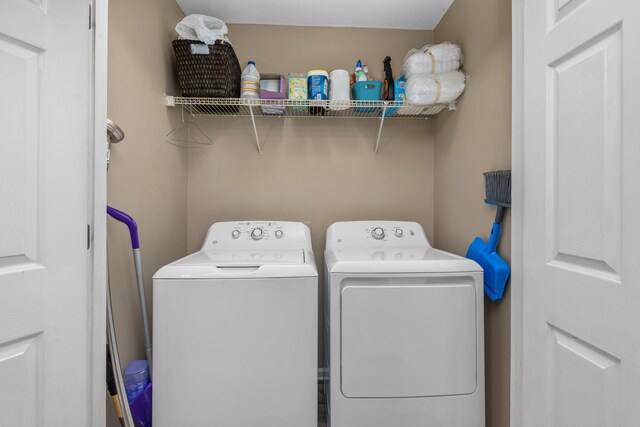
(279, 234)
(235, 234)
(377, 233)
(257, 233)
(399, 232)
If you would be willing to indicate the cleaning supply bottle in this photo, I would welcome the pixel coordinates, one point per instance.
(389, 85)
(360, 75)
(136, 379)
(365, 70)
(250, 82)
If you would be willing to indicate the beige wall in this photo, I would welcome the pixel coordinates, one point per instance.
(147, 177)
(313, 170)
(474, 139)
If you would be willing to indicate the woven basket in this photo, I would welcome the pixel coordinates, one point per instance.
(212, 75)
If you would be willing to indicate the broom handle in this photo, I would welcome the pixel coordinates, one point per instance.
(500, 213)
(496, 230)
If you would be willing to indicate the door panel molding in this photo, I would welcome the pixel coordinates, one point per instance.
(21, 367)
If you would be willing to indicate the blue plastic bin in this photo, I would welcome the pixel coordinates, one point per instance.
(367, 91)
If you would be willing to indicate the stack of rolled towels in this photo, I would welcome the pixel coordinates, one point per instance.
(433, 74)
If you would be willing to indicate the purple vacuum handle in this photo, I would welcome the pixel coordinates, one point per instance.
(129, 222)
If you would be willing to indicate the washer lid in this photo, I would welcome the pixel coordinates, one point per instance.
(241, 263)
(245, 257)
(397, 260)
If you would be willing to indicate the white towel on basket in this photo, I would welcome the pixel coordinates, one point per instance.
(434, 59)
(429, 89)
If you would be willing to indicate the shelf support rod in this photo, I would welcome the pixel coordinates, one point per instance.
(384, 113)
(255, 129)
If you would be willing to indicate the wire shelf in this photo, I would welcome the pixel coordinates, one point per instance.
(290, 108)
(237, 107)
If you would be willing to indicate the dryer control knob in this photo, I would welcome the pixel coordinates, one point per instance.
(257, 233)
(399, 232)
(279, 234)
(235, 234)
(377, 233)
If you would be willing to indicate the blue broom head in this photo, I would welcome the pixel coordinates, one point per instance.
(497, 188)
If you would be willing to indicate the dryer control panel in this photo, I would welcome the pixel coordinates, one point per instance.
(257, 234)
(376, 234)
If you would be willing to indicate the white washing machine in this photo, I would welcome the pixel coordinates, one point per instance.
(235, 330)
(403, 330)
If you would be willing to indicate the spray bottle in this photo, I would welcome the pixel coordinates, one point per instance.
(360, 75)
(388, 90)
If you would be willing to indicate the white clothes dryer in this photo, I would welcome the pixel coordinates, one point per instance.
(235, 330)
(404, 338)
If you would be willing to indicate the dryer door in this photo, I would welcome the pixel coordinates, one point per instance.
(413, 337)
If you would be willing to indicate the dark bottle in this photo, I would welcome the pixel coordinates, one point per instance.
(388, 92)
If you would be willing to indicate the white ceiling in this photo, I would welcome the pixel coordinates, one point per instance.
(406, 14)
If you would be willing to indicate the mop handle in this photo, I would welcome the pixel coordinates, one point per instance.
(135, 243)
(129, 222)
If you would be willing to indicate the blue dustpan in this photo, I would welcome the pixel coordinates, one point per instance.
(496, 269)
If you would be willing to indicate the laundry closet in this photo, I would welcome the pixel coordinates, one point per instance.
(314, 170)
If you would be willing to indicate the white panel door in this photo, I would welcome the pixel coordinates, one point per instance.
(581, 226)
(44, 156)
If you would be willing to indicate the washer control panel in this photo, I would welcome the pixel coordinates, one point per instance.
(376, 234)
(257, 234)
(386, 232)
(257, 230)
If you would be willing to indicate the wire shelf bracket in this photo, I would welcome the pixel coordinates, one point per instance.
(255, 130)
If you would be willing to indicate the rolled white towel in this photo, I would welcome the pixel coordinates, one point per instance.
(416, 62)
(448, 56)
(440, 58)
(429, 89)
